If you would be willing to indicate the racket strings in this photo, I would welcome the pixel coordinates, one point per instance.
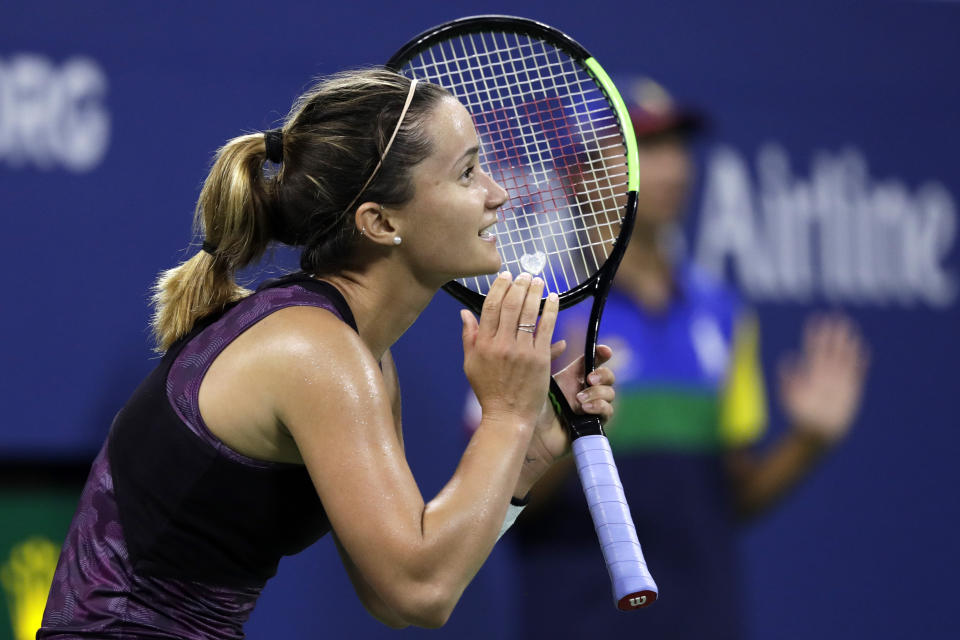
(550, 137)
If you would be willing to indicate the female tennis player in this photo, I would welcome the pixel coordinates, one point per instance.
(274, 416)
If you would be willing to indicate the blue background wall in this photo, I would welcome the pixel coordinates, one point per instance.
(109, 114)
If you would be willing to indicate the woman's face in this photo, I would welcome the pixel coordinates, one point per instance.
(443, 226)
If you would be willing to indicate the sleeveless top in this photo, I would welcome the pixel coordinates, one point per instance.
(176, 534)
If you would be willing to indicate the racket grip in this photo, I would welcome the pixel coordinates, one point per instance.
(633, 586)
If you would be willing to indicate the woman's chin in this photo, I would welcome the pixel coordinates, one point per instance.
(493, 266)
(488, 269)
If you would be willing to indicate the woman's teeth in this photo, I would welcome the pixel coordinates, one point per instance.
(486, 232)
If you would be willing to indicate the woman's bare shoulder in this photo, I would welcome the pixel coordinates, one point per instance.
(310, 341)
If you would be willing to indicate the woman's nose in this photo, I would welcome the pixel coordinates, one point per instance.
(496, 195)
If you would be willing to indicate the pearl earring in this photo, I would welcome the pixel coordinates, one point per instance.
(397, 240)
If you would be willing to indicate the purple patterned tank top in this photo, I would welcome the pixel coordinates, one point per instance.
(129, 567)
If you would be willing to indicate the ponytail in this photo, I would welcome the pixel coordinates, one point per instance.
(333, 140)
(233, 214)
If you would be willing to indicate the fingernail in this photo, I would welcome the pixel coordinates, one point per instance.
(582, 396)
(504, 274)
(593, 378)
(537, 282)
(523, 277)
(553, 297)
(587, 405)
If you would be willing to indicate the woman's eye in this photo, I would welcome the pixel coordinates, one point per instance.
(468, 172)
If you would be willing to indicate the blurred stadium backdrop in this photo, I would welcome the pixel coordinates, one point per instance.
(829, 178)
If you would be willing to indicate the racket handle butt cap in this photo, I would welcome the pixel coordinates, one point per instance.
(637, 600)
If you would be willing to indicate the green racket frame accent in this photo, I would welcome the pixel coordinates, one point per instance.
(633, 175)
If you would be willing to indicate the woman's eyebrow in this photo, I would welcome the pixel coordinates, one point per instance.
(475, 149)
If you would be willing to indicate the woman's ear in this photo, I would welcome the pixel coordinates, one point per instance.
(374, 224)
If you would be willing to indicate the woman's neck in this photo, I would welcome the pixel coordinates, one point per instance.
(385, 301)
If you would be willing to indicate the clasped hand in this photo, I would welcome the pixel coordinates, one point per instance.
(507, 362)
(506, 356)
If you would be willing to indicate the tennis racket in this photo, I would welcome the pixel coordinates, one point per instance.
(555, 134)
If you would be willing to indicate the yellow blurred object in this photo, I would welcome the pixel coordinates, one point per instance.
(26, 579)
(743, 411)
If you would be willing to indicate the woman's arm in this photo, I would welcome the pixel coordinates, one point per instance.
(389, 369)
(759, 481)
(417, 557)
(820, 390)
(371, 600)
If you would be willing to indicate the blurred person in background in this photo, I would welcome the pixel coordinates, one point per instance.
(690, 406)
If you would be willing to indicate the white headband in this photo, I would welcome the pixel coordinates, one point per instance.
(386, 150)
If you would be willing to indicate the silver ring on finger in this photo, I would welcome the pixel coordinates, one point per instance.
(525, 329)
(526, 325)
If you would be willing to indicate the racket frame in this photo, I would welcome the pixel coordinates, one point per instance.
(598, 284)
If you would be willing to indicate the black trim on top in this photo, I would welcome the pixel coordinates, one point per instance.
(491, 22)
(317, 286)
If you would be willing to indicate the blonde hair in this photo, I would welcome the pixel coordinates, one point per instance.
(332, 138)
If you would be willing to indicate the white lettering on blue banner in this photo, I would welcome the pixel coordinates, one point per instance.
(837, 234)
(53, 115)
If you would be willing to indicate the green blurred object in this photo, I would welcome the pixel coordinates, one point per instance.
(33, 524)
